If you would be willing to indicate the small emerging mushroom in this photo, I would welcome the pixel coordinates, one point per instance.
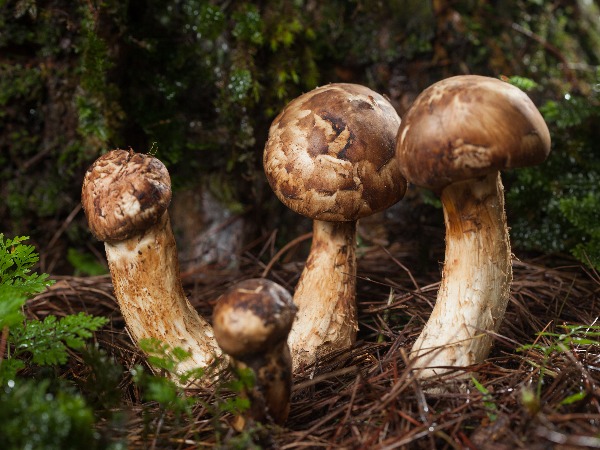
(125, 197)
(455, 138)
(251, 323)
(330, 157)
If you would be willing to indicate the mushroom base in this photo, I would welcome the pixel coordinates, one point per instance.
(145, 276)
(476, 279)
(325, 295)
(270, 395)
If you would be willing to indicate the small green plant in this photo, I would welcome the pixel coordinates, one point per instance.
(16, 260)
(37, 415)
(41, 413)
(243, 380)
(46, 341)
(17, 283)
(165, 389)
(236, 402)
(573, 335)
(525, 84)
(488, 400)
(551, 344)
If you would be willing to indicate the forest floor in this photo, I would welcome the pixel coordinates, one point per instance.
(539, 389)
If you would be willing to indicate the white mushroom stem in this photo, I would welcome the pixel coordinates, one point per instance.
(145, 275)
(325, 295)
(475, 286)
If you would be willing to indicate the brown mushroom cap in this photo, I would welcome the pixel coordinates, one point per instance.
(330, 154)
(124, 193)
(468, 126)
(253, 317)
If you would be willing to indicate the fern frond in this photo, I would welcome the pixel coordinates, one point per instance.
(48, 340)
(16, 261)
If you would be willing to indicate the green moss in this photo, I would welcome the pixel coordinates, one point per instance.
(33, 416)
(555, 206)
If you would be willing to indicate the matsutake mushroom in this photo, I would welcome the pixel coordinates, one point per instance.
(330, 157)
(125, 197)
(251, 322)
(455, 138)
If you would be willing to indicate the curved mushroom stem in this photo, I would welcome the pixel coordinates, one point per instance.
(325, 295)
(270, 395)
(145, 276)
(476, 279)
(125, 196)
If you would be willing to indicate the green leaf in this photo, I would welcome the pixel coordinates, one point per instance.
(9, 369)
(488, 400)
(574, 398)
(48, 340)
(35, 416)
(235, 405)
(571, 111)
(162, 356)
(525, 84)
(11, 303)
(240, 83)
(248, 24)
(164, 391)
(161, 390)
(16, 261)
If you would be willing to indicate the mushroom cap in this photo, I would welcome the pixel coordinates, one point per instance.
(124, 193)
(467, 126)
(252, 317)
(330, 154)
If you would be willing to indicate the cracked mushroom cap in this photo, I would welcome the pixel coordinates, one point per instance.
(253, 317)
(124, 193)
(468, 126)
(330, 154)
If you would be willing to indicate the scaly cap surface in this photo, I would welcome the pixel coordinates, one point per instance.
(253, 317)
(330, 154)
(124, 193)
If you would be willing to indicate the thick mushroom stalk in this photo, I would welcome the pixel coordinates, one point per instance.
(330, 157)
(454, 139)
(476, 278)
(125, 197)
(325, 294)
(251, 322)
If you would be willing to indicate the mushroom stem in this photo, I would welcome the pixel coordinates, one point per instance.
(270, 395)
(330, 157)
(145, 276)
(125, 196)
(476, 278)
(252, 321)
(325, 295)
